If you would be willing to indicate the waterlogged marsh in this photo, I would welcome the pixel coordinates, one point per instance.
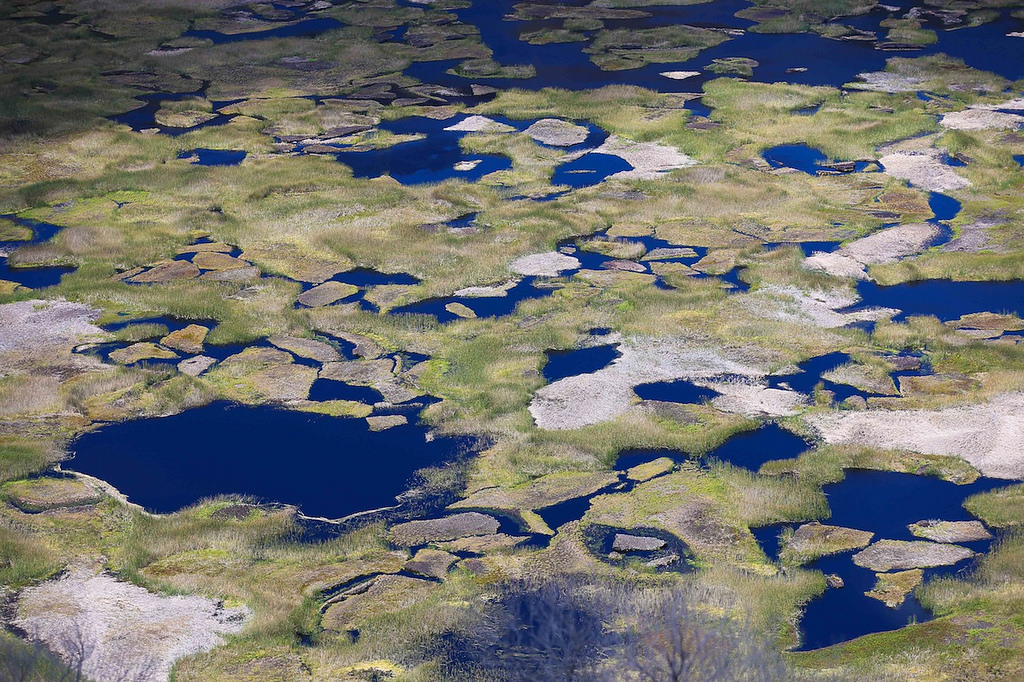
(311, 203)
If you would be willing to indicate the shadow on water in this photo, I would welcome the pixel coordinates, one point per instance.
(883, 503)
(168, 463)
(367, 277)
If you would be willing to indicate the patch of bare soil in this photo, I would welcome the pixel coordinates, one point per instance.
(587, 399)
(117, 630)
(988, 435)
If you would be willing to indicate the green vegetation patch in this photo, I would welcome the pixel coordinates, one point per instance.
(1002, 508)
(46, 493)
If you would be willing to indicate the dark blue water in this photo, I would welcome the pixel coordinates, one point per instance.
(367, 277)
(680, 391)
(751, 449)
(300, 29)
(491, 306)
(35, 277)
(144, 117)
(328, 389)
(433, 158)
(801, 157)
(945, 299)
(630, 458)
(884, 503)
(1019, 158)
(809, 374)
(747, 450)
(462, 221)
(167, 463)
(828, 62)
(589, 169)
(214, 157)
(566, 66)
(422, 161)
(943, 206)
(986, 47)
(558, 515)
(567, 363)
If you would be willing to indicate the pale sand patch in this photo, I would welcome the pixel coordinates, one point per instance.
(1016, 104)
(888, 555)
(587, 399)
(479, 124)
(680, 75)
(465, 166)
(819, 308)
(884, 81)
(885, 246)
(557, 133)
(648, 159)
(120, 630)
(753, 400)
(981, 119)
(548, 264)
(836, 264)
(37, 325)
(892, 244)
(494, 291)
(988, 435)
(924, 169)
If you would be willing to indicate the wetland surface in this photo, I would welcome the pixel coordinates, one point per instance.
(686, 309)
